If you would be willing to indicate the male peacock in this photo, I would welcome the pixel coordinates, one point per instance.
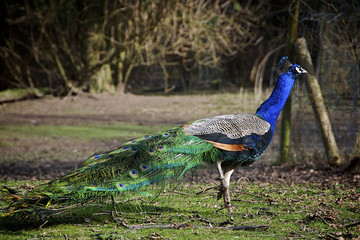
(228, 141)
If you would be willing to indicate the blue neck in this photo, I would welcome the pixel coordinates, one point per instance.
(271, 108)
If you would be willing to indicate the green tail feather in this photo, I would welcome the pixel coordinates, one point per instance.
(135, 164)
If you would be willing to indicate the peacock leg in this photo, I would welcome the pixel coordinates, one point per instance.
(225, 187)
(219, 168)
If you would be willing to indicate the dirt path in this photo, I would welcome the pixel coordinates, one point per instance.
(107, 108)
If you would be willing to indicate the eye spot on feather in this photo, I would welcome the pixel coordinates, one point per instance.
(151, 151)
(120, 186)
(160, 148)
(134, 149)
(133, 141)
(165, 134)
(143, 167)
(124, 148)
(147, 137)
(133, 174)
(97, 156)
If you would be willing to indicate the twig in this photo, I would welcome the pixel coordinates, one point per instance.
(217, 211)
(206, 189)
(352, 224)
(179, 193)
(113, 205)
(322, 219)
(130, 200)
(247, 227)
(201, 218)
(185, 225)
(140, 213)
(275, 200)
(41, 228)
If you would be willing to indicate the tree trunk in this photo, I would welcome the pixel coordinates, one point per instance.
(354, 165)
(318, 104)
(286, 112)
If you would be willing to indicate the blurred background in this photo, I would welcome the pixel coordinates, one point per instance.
(225, 49)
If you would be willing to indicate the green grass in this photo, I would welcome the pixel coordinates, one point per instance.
(86, 133)
(14, 93)
(18, 141)
(291, 211)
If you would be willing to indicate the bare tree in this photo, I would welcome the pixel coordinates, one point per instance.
(168, 33)
(317, 102)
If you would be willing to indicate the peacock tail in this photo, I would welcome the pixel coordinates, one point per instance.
(134, 164)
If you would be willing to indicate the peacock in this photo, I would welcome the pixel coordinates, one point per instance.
(227, 141)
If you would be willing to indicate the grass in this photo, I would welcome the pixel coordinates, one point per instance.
(14, 93)
(19, 93)
(288, 210)
(65, 141)
(85, 133)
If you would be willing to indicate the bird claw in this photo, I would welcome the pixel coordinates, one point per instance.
(221, 191)
(229, 208)
(220, 194)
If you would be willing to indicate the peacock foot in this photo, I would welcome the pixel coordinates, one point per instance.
(220, 192)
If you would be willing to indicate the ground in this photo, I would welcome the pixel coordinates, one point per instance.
(47, 154)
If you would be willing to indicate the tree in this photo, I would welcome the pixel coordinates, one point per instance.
(286, 112)
(317, 103)
(80, 46)
(187, 33)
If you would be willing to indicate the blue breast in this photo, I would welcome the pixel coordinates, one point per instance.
(256, 145)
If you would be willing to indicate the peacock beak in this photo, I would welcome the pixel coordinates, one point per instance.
(303, 71)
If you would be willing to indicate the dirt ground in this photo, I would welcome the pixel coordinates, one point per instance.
(48, 158)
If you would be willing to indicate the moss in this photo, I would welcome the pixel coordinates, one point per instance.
(86, 133)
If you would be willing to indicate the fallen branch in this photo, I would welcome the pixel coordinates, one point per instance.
(186, 225)
(247, 227)
(201, 218)
(207, 189)
(22, 98)
(178, 192)
(352, 224)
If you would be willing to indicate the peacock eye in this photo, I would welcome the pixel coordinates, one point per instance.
(151, 151)
(97, 156)
(143, 167)
(133, 174)
(120, 186)
(165, 134)
(160, 148)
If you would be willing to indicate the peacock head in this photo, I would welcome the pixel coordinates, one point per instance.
(286, 65)
(297, 70)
